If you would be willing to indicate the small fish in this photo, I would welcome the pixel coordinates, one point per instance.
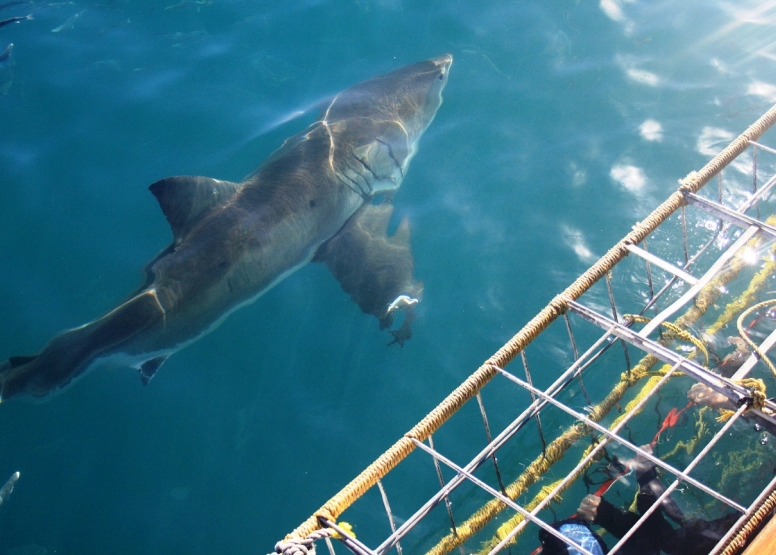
(6, 490)
(6, 53)
(17, 19)
(69, 23)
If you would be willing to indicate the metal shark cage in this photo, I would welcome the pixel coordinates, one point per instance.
(485, 470)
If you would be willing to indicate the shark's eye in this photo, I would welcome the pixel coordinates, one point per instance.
(441, 76)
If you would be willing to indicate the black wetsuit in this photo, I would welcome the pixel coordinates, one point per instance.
(656, 534)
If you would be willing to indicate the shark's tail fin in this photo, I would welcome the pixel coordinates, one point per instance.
(69, 354)
(7, 367)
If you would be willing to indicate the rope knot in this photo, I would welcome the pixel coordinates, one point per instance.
(757, 389)
(630, 378)
(560, 303)
(635, 374)
(305, 546)
(756, 399)
(296, 546)
(686, 185)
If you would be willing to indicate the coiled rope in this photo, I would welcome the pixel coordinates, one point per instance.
(745, 336)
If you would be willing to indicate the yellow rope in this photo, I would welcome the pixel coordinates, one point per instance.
(745, 336)
(756, 388)
(646, 390)
(757, 284)
(678, 332)
(508, 526)
(654, 378)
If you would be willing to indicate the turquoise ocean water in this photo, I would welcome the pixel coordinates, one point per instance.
(563, 123)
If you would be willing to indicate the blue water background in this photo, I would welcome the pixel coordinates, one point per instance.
(537, 162)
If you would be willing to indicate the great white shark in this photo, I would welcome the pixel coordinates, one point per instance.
(315, 199)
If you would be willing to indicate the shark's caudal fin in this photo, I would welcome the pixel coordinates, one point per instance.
(375, 269)
(71, 353)
(185, 198)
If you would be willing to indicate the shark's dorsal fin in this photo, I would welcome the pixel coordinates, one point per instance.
(185, 198)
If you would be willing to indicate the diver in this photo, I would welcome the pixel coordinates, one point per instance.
(656, 534)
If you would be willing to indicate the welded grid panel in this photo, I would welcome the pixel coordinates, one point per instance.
(468, 491)
(466, 498)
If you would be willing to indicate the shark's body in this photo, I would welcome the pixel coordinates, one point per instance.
(311, 200)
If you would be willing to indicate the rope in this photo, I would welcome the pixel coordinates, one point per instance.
(695, 180)
(760, 516)
(306, 546)
(739, 464)
(597, 413)
(303, 546)
(757, 284)
(678, 332)
(756, 400)
(557, 306)
(740, 323)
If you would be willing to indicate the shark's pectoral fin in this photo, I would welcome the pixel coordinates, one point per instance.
(375, 269)
(148, 368)
(185, 198)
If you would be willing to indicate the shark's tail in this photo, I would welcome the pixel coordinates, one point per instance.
(69, 354)
(7, 368)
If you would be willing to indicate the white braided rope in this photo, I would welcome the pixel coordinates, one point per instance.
(303, 546)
